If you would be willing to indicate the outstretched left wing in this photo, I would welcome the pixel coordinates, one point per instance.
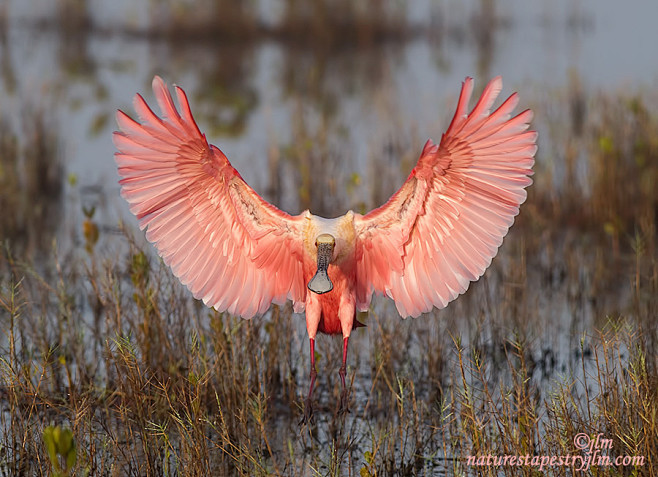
(441, 229)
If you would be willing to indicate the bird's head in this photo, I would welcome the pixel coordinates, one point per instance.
(320, 283)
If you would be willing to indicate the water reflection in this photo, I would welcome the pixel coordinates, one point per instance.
(74, 35)
(31, 175)
(7, 72)
(225, 96)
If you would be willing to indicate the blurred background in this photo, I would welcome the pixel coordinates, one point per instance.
(278, 84)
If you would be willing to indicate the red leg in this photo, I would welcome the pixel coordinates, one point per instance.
(344, 404)
(308, 407)
(314, 372)
(343, 368)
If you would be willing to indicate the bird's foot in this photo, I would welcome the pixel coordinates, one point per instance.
(344, 403)
(308, 413)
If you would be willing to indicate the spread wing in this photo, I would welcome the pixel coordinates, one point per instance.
(441, 229)
(224, 242)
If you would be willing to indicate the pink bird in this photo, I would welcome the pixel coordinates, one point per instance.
(240, 254)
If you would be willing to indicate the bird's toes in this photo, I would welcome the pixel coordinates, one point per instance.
(308, 417)
(344, 403)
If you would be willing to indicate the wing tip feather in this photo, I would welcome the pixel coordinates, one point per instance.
(462, 126)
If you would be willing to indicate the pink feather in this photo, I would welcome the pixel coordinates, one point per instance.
(471, 187)
(239, 253)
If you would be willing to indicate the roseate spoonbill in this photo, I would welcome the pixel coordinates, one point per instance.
(238, 253)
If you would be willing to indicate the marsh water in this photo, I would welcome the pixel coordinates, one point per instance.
(331, 123)
(251, 97)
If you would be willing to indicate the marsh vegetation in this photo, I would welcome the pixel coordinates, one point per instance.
(557, 339)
